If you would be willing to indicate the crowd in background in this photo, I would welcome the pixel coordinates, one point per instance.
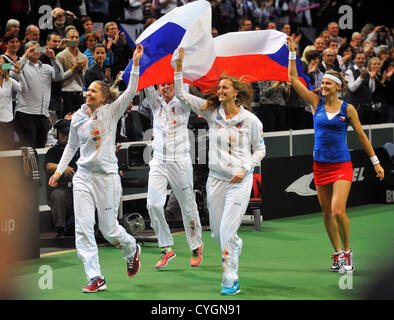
(45, 72)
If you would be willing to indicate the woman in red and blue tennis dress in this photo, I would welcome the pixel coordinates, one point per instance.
(332, 169)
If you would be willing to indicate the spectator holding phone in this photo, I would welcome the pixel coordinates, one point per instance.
(32, 104)
(75, 65)
(8, 87)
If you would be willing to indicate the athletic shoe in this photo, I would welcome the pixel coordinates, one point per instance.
(336, 265)
(165, 256)
(95, 284)
(133, 264)
(232, 290)
(348, 262)
(196, 256)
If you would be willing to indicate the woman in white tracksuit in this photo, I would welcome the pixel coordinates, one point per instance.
(96, 183)
(233, 132)
(171, 164)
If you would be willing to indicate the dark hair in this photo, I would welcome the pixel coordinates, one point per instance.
(85, 19)
(63, 126)
(99, 45)
(343, 48)
(87, 36)
(312, 54)
(49, 36)
(10, 35)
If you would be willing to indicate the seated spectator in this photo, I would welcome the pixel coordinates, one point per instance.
(286, 28)
(32, 112)
(245, 24)
(60, 198)
(383, 54)
(368, 49)
(333, 30)
(319, 44)
(62, 19)
(346, 53)
(271, 25)
(313, 58)
(90, 41)
(32, 34)
(328, 61)
(374, 66)
(360, 89)
(12, 26)
(387, 80)
(8, 87)
(74, 65)
(325, 35)
(87, 24)
(12, 44)
(356, 41)
(120, 48)
(97, 70)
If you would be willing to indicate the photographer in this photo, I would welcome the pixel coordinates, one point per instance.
(60, 198)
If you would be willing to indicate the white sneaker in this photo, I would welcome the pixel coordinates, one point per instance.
(347, 261)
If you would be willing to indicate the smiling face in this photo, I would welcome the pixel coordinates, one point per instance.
(94, 96)
(226, 91)
(99, 55)
(329, 87)
(13, 45)
(91, 41)
(167, 91)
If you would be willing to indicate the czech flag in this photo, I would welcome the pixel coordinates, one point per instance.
(253, 55)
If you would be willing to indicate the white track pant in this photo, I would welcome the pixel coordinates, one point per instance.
(101, 191)
(227, 204)
(180, 177)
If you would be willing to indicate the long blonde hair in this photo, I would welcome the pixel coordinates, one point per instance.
(244, 97)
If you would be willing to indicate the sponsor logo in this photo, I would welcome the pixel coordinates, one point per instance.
(302, 186)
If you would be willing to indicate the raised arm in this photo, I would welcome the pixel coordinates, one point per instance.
(119, 106)
(308, 96)
(188, 100)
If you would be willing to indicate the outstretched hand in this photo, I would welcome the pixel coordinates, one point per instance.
(138, 52)
(179, 59)
(290, 44)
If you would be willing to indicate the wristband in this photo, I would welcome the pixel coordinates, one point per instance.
(374, 160)
(57, 172)
(292, 55)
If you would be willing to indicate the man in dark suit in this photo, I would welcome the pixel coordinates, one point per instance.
(328, 61)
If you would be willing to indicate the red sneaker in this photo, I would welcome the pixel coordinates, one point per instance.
(196, 256)
(95, 284)
(165, 256)
(133, 264)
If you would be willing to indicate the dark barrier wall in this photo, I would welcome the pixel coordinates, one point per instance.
(288, 188)
(19, 215)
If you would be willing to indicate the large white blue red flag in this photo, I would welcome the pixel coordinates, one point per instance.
(253, 55)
